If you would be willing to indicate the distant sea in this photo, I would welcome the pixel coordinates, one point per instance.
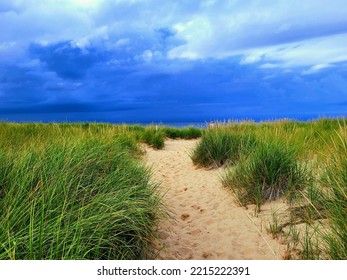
(204, 124)
(45, 118)
(178, 124)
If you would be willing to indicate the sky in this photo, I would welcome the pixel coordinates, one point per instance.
(146, 61)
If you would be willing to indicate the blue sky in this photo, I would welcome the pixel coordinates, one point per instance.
(170, 61)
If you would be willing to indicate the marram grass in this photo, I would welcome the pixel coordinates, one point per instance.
(74, 192)
(155, 135)
(304, 162)
(333, 199)
(268, 172)
(220, 147)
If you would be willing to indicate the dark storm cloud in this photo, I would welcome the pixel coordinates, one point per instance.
(67, 60)
(171, 60)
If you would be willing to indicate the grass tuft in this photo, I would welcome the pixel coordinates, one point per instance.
(267, 173)
(153, 137)
(219, 147)
(182, 133)
(334, 200)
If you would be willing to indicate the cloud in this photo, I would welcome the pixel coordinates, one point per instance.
(67, 59)
(66, 107)
(314, 54)
(12, 6)
(316, 68)
(291, 34)
(257, 30)
(164, 59)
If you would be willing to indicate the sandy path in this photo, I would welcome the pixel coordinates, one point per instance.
(206, 222)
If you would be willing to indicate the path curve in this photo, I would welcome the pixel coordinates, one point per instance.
(206, 222)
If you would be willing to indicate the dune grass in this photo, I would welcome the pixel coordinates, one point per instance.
(78, 191)
(182, 133)
(333, 199)
(74, 192)
(220, 147)
(303, 162)
(155, 135)
(267, 172)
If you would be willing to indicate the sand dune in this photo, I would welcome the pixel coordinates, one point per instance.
(206, 222)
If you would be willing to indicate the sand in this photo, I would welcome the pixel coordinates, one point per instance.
(205, 220)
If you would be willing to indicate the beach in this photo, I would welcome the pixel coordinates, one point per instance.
(240, 191)
(205, 221)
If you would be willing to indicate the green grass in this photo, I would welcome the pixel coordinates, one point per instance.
(182, 133)
(74, 192)
(303, 162)
(269, 171)
(325, 202)
(219, 147)
(153, 137)
(333, 199)
(78, 191)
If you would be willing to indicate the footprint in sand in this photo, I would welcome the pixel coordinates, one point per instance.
(185, 216)
(185, 253)
(195, 232)
(163, 235)
(207, 223)
(197, 208)
(206, 255)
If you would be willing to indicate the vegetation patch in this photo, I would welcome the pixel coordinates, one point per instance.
(304, 162)
(267, 173)
(153, 137)
(219, 147)
(74, 192)
(182, 133)
(333, 199)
